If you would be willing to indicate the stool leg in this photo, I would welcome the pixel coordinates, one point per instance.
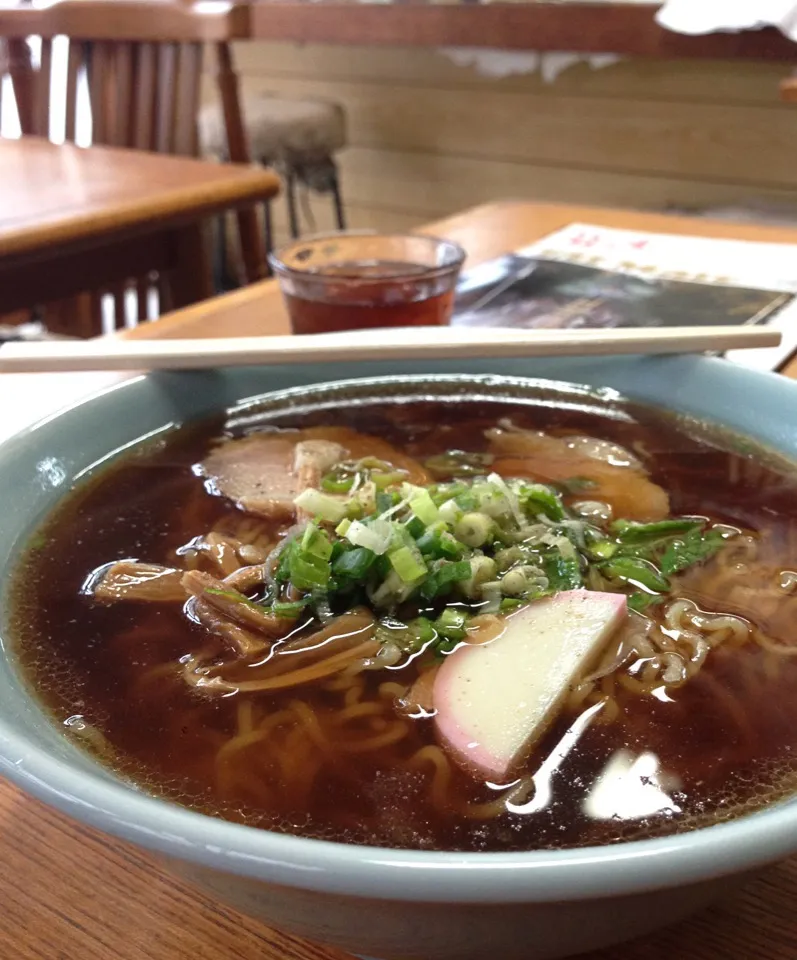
(290, 196)
(268, 232)
(337, 199)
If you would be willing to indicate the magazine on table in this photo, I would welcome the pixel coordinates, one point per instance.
(587, 276)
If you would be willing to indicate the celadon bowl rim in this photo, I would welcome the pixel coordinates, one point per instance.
(432, 876)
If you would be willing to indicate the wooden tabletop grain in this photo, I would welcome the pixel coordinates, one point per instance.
(69, 893)
(55, 194)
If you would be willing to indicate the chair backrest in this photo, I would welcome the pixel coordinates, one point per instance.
(142, 60)
(143, 95)
(140, 63)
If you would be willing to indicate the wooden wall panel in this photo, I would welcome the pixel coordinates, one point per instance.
(428, 137)
(731, 143)
(437, 184)
(680, 80)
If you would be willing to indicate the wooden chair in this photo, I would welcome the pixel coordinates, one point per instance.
(142, 63)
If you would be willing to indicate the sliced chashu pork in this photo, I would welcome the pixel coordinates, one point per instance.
(265, 472)
(620, 481)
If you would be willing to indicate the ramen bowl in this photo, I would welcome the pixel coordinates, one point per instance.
(383, 903)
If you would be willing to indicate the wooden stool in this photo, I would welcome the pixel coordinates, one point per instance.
(298, 137)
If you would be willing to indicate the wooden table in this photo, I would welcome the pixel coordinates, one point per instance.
(74, 219)
(69, 893)
(485, 232)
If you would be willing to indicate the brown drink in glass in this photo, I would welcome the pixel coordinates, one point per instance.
(352, 281)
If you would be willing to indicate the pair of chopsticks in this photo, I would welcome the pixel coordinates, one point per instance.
(416, 343)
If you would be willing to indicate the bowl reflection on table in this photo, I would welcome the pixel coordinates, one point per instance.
(389, 903)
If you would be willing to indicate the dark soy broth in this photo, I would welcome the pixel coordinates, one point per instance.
(387, 294)
(717, 747)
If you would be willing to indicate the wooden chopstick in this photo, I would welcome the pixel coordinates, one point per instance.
(418, 343)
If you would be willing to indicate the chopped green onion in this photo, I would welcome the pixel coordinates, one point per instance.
(449, 572)
(443, 576)
(308, 572)
(230, 595)
(629, 532)
(283, 572)
(450, 511)
(510, 603)
(437, 543)
(410, 637)
(424, 508)
(415, 527)
(458, 463)
(641, 601)
(342, 528)
(640, 573)
(452, 623)
(408, 565)
(474, 529)
(385, 501)
(376, 536)
(482, 570)
(356, 509)
(390, 630)
(402, 538)
(476, 536)
(383, 480)
(321, 505)
(392, 590)
(362, 502)
(316, 543)
(428, 589)
(334, 484)
(509, 556)
(422, 630)
(442, 492)
(524, 580)
(289, 609)
(538, 499)
(565, 546)
(491, 595)
(511, 497)
(338, 547)
(692, 548)
(450, 547)
(563, 573)
(354, 563)
(469, 501)
(319, 598)
(601, 549)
